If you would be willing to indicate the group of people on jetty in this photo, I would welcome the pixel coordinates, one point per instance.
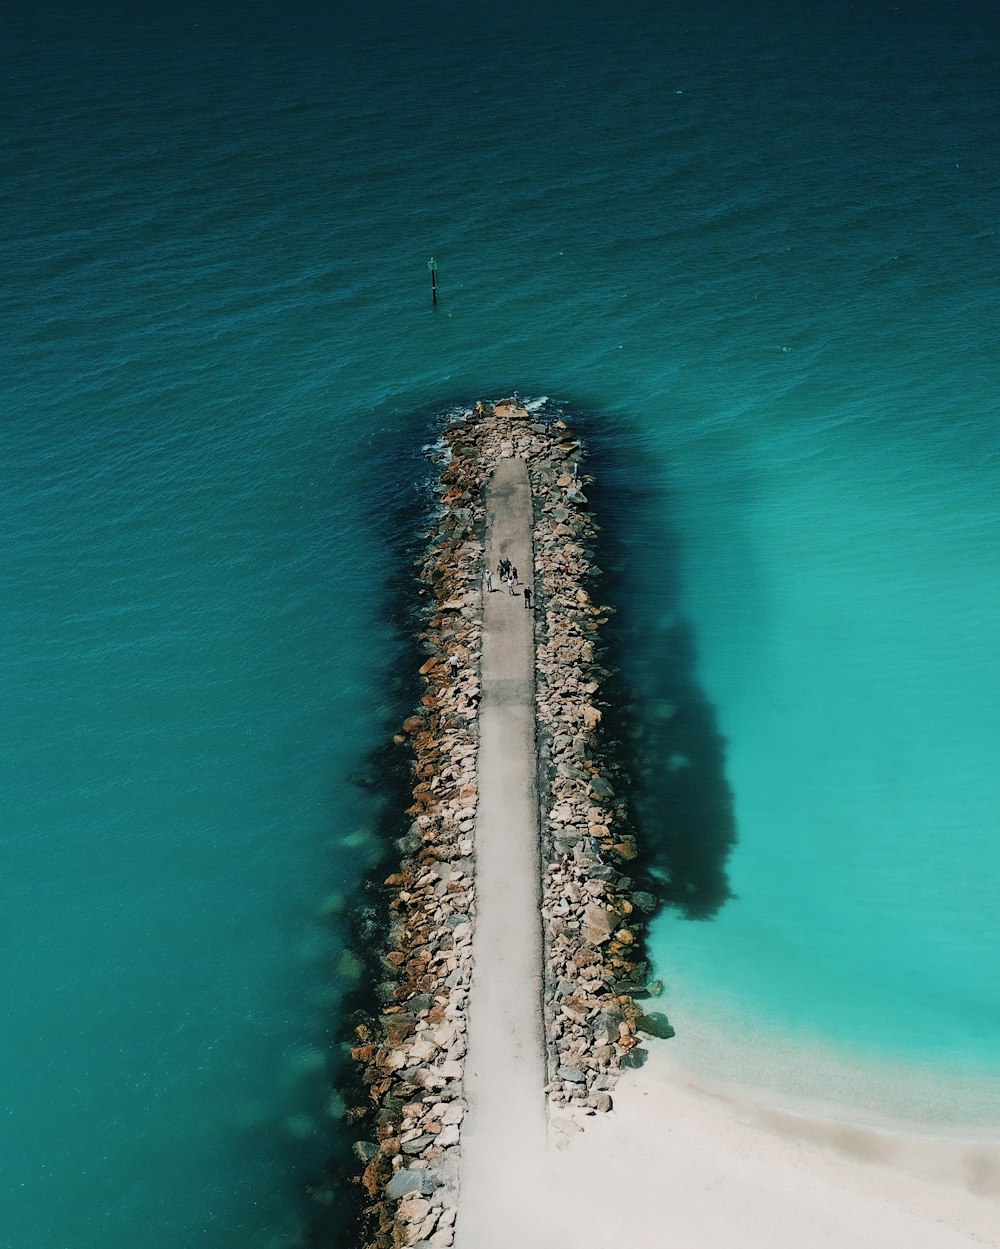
(508, 577)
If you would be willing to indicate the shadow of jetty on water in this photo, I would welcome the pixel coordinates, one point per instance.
(682, 799)
(665, 727)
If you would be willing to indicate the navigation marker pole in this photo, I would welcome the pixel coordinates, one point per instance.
(432, 265)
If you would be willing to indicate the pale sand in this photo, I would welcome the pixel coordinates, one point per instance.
(503, 1136)
(681, 1162)
(685, 1165)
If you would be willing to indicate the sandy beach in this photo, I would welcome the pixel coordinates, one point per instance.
(681, 1162)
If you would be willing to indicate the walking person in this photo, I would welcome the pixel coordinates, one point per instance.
(513, 573)
(510, 586)
(453, 665)
(527, 597)
(489, 580)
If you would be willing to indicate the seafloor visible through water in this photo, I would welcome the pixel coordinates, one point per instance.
(755, 252)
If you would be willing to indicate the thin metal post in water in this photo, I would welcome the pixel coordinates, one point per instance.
(432, 265)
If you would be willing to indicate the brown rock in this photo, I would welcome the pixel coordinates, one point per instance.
(598, 924)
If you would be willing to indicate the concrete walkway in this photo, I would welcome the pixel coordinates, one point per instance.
(503, 1138)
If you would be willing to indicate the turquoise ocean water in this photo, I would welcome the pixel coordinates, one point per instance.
(755, 251)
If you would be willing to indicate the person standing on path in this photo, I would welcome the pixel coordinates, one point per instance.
(527, 597)
(489, 580)
(510, 586)
(453, 665)
(513, 573)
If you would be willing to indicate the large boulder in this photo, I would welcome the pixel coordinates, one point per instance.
(365, 1151)
(606, 1024)
(598, 924)
(655, 1024)
(408, 1181)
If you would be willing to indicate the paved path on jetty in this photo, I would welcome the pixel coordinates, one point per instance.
(504, 1132)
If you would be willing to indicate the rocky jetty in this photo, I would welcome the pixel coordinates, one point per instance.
(411, 1054)
(593, 914)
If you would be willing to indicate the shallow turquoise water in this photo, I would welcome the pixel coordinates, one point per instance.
(756, 255)
(859, 752)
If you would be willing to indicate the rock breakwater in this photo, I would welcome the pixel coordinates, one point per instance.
(411, 1054)
(594, 913)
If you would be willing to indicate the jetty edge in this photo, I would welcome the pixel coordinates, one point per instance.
(411, 1055)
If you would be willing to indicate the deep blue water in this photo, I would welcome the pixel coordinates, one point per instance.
(755, 250)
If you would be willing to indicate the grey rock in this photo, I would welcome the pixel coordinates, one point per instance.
(644, 901)
(605, 1026)
(364, 1151)
(571, 1074)
(605, 872)
(410, 1181)
(634, 988)
(655, 1024)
